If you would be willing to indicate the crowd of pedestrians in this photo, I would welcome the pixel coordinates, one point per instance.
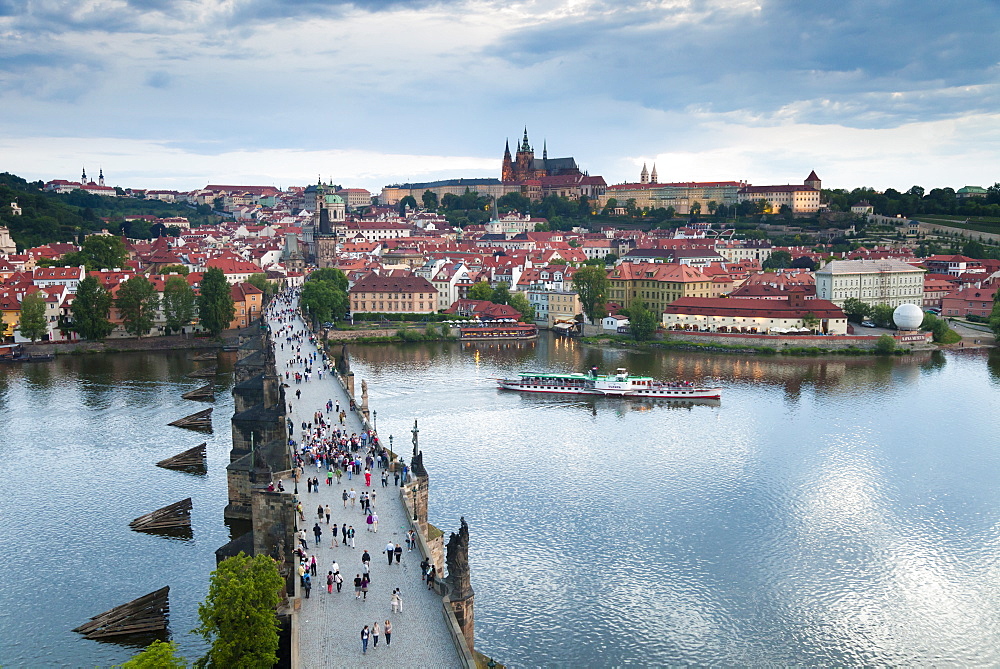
(330, 458)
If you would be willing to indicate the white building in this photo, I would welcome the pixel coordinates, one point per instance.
(887, 281)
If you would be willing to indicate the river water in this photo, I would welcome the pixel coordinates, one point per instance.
(826, 511)
(80, 439)
(835, 511)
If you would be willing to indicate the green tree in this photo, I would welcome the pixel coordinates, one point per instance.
(103, 252)
(324, 295)
(777, 260)
(319, 299)
(91, 309)
(260, 280)
(137, 302)
(158, 655)
(519, 302)
(175, 269)
(856, 310)
(610, 206)
(430, 199)
(642, 322)
(591, 284)
(215, 302)
(974, 249)
(501, 294)
(881, 315)
(33, 325)
(810, 321)
(178, 303)
(695, 208)
(480, 291)
(331, 275)
(238, 615)
(938, 327)
(407, 202)
(885, 345)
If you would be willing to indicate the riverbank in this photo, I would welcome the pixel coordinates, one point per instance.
(159, 343)
(742, 345)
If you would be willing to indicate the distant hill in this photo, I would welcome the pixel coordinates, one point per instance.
(51, 217)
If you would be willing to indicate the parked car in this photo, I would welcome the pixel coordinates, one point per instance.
(867, 324)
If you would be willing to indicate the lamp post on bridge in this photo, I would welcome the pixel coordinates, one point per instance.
(375, 420)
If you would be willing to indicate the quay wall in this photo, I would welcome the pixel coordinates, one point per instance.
(830, 342)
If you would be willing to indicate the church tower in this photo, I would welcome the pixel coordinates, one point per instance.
(652, 175)
(525, 160)
(644, 175)
(83, 176)
(813, 181)
(507, 170)
(100, 178)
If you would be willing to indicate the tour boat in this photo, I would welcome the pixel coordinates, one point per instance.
(619, 384)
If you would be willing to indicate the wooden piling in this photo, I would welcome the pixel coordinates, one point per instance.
(201, 420)
(192, 458)
(171, 516)
(145, 614)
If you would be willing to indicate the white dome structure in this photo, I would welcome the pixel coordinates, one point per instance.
(908, 317)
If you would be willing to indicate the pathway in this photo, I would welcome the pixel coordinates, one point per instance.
(330, 624)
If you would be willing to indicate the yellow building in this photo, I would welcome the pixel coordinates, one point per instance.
(656, 284)
(10, 316)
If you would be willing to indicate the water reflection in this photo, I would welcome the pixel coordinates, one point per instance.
(833, 510)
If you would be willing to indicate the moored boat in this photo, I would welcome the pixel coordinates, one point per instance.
(619, 384)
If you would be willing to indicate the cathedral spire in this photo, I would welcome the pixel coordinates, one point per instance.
(644, 175)
(506, 150)
(83, 176)
(524, 143)
(545, 149)
(652, 175)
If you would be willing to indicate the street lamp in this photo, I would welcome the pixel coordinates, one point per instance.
(375, 419)
(390, 445)
(414, 489)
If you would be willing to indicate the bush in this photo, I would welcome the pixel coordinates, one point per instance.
(886, 345)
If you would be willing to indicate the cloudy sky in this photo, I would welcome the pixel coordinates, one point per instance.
(180, 93)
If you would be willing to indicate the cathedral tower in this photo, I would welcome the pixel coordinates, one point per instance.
(525, 160)
(652, 175)
(644, 175)
(507, 170)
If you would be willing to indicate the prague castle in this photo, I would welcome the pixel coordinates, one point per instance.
(524, 166)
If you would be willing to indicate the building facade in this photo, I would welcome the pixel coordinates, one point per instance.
(886, 281)
(393, 294)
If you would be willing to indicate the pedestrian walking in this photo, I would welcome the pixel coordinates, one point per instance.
(357, 586)
(385, 479)
(398, 552)
(350, 534)
(364, 587)
(329, 582)
(364, 640)
(338, 580)
(396, 601)
(375, 635)
(319, 512)
(365, 557)
(318, 531)
(430, 577)
(369, 521)
(344, 495)
(390, 550)
(374, 522)
(326, 511)
(333, 542)
(387, 628)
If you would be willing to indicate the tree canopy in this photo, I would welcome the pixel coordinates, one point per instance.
(481, 290)
(591, 284)
(238, 615)
(157, 655)
(215, 302)
(642, 321)
(519, 302)
(178, 303)
(33, 324)
(91, 309)
(137, 302)
(777, 260)
(856, 310)
(324, 295)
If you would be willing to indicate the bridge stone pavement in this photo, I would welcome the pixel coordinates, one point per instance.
(330, 624)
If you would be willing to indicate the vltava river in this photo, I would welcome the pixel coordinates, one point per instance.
(827, 511)
(80, 439)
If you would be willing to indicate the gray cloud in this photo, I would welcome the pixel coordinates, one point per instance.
(853, 54)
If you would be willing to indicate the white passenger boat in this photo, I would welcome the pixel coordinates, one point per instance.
(619, 384)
